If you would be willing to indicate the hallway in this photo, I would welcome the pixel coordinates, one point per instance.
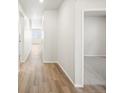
(36, 77)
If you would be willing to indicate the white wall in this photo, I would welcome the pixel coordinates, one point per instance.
(50, 32)
(27, 38)
(95, 36)
(36, 23)
(25, 35)
(66, 37)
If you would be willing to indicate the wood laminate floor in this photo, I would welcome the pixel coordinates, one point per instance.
(36, 77)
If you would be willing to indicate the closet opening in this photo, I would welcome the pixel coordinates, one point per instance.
(95, 48)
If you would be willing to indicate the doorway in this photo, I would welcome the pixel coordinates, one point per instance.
(36, 36)
(95, 48)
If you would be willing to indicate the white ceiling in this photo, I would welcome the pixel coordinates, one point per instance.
(33, 8)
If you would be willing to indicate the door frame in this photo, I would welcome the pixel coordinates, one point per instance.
(83, 16)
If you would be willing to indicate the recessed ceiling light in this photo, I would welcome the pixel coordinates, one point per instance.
(41, 1)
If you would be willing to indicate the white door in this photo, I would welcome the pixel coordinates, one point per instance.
(21, 38)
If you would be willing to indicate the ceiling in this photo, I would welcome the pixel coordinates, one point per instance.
(34, 8)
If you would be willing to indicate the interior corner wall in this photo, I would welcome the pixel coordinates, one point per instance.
(66, 40)
(50, 38)
(94, 35)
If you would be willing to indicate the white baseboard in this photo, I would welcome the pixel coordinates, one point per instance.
(61, 68)
(75, 85)
(66, 74)
(79, 86)
(96, 55)
(50, 61)
(26, 57)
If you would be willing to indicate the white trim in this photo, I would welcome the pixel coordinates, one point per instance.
(26, 57)
(66, 74)
(79, 86)
(96, 55)
(88, 10)
(50, 61)
(21, 10)
(75, 85)
(82, 45)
